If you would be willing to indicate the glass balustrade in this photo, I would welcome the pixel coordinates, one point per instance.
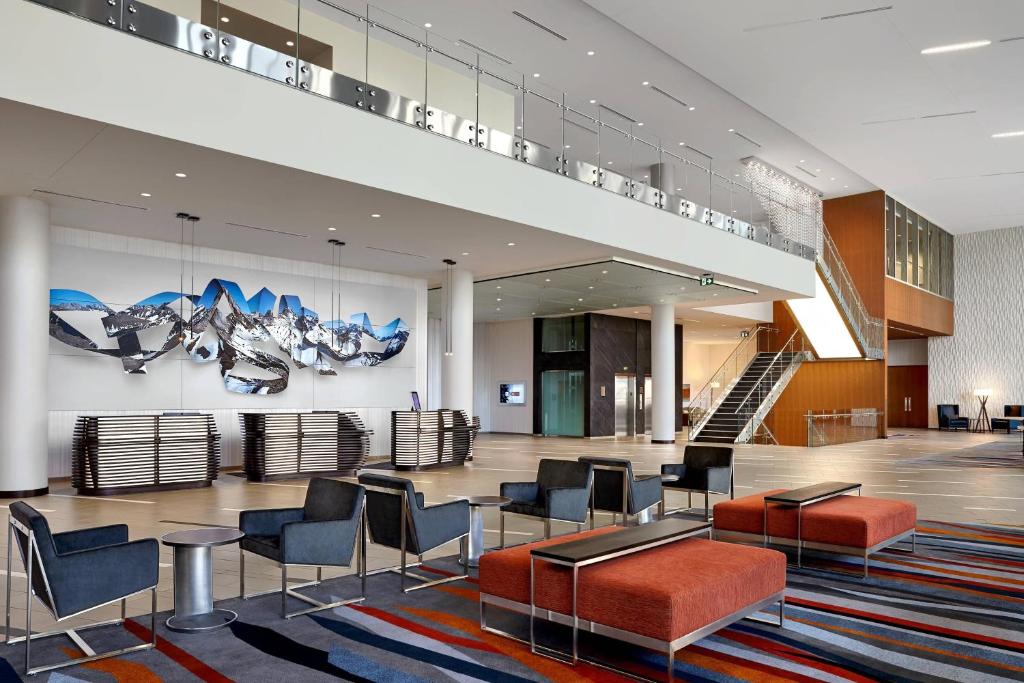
(366, 57)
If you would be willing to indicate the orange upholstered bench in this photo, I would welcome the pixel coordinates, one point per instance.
(664, 597)
(849, 525)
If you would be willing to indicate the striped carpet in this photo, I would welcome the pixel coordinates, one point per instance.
(952, 611)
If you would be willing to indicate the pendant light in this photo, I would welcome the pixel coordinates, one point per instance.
(336, 246)
(182, 217)
(449, 278)
(192, 285)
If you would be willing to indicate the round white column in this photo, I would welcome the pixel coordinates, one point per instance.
(663, 373)
(457, 368)
(24, 345)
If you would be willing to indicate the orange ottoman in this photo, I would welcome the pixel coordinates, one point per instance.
(669, 595)
(856, 525)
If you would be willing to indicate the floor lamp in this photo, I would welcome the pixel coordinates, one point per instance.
(983, 424)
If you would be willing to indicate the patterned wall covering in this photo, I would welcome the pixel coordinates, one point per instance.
(986, 350)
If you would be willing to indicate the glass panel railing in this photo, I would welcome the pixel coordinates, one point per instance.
(370, 58)
(867, 329)
(837, 427)
(396, 67)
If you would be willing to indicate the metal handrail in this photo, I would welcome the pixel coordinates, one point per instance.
(766, 370)
(866, 326)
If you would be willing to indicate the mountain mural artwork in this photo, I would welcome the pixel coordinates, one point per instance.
(234, 334)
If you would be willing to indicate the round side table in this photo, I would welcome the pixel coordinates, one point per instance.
(474, 547)
(193, 578)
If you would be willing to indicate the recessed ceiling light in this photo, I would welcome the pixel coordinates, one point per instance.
(646, 83)
(498, 299)
(593, 101)
(536, 75)
(225, 19)
(568, 146)
(579, 299)
(547, 279)
(572, 309)
(610, 163)
(145, 194)
(498, 287)
(533, 312)
(511, 244)
(374, 215)
(845, 187)
(692, 108)
(290, 43)
(465, 253)
(1009, 134)
(802, 161)
(590, 286)
(332, 229)
(715, 294)
(590, 53)
(661, 301)
(955, 47)
(428, 25)
(735, 175)
(604, 272)
(181, 175)
(640, 123)
(732, 130)
(636, 312)
(817, 170)
(498, 309)
(519, 127)
(615, 305)
(682, 144)
(683, 288)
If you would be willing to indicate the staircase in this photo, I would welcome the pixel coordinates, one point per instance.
(733, 404)
(731, 416)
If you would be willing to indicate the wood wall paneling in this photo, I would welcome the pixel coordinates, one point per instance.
(918, 310)
(857, 226)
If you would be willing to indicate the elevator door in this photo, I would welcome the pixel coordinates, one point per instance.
(625, 405)
(646, 399)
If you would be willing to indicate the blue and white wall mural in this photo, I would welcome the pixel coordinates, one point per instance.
(231, 336)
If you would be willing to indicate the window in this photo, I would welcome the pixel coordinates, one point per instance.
(563, 334)
(917, 251)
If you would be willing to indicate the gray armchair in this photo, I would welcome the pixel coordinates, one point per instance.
(322, 533)
(617, 490)
(77, 571)
(397, 517)
(561, 492)
(705, 469)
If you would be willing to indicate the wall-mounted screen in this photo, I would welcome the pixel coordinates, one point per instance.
(512, 393)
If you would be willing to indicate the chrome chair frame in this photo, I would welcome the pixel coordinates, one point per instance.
(72, 633)
(547, 523)
(625, 497)
(402, 568)
(290, 591)
(708, 516)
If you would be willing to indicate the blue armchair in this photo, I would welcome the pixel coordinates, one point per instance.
(1013, 417)
(617, 490)
(706, 470)
(561, 492)
(397, 517)
(77, 571)
(949, 418)
(321, 533)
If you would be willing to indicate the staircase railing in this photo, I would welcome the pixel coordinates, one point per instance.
(704, 402)
(758, 401)
(867, 328)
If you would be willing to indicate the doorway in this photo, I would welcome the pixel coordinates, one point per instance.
(562, 402)
(625, 405)
(908, 396)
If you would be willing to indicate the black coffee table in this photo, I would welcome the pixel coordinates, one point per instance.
(799, 498)
(193, 578)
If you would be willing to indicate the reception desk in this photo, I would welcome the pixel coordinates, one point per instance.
(291, 445)
(119, 454)
(425, 439)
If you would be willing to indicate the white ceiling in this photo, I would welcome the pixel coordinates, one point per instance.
(615, 73)
(859, 89)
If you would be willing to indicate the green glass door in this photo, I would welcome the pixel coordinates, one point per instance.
(562, 402)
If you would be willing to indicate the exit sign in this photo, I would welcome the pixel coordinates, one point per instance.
(707, 279)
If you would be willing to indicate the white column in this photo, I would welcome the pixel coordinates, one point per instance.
(24, 344)
(457, 368)
(663, 373)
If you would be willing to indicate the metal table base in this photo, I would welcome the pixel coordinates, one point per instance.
(193, 592)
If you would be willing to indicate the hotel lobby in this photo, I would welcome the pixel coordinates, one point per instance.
(550, 341)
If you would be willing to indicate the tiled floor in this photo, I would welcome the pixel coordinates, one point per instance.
(946, 493)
